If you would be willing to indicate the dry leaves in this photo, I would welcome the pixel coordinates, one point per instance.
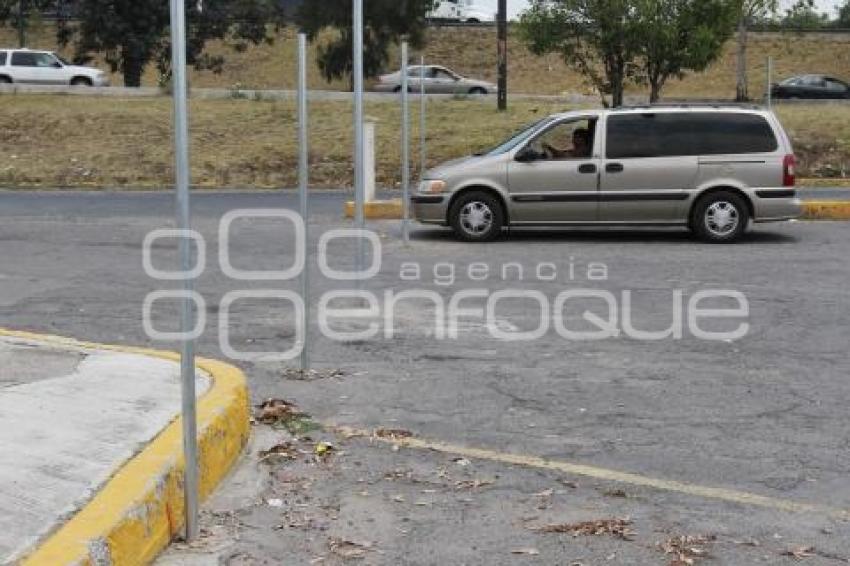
(282, 451)
(273, 411)
(348, 549)
(687, 548)
(312, 374)
(393, 433)
(800, 552)
(615, 527)
(472, 484)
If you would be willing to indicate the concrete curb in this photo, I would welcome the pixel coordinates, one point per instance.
(378, 209)
(812, 210)
(826, 210)
(135, 515)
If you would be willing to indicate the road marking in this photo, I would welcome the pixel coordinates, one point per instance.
(705, 492)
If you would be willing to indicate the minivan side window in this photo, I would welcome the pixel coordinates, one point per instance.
(2, 58)
(679, 134)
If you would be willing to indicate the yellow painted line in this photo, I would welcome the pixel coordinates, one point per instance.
(705, 492)
(138, 512)
(378, 210)
(826, 210)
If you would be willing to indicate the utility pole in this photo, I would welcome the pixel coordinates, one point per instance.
(503, 55)
(22, 24)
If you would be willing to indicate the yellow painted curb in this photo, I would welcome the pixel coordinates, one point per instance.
(378, 210)
(137, 513)
(826, 210)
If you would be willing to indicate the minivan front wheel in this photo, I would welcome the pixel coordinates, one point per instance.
(477, 217)
(720, 217)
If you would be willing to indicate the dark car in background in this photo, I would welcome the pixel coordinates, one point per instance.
(811, 86)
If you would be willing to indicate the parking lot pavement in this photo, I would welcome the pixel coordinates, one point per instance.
(761, 416)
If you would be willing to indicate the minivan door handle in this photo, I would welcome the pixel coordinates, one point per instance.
(614, 168)
(587, 168)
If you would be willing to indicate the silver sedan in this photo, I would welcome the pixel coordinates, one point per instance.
(438, 80)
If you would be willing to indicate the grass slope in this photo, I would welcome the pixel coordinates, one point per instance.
(71, 141)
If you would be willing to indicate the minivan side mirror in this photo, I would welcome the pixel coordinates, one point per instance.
(526, 155)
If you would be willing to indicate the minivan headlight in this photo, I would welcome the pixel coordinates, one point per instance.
(432, 186)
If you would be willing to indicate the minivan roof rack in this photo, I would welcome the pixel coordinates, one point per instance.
(748, 105)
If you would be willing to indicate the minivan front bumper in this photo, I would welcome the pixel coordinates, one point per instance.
(430, 209)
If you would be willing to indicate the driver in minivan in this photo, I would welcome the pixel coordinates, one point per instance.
(580, 150)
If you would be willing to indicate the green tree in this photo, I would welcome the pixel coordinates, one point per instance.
(385, 23)
(844, 15)
(748, 11)
(803, 16)
(134, 33)
(679, 36)
(598, 38)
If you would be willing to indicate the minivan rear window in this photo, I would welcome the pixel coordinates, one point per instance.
(671, 134)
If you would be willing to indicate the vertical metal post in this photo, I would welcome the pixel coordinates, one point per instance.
(303, 172)
(359, 153)
(187, 315)
(422, 149)
(503, 55)
(769, 82)
(405, 145)
(22, 32)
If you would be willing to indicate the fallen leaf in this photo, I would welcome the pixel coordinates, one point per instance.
(527, 551)
(687, 548)
(323, 448)
(285, 450)
(348, 549)
(272, 411)
(800, 552)
(394, 433)
(615, 527)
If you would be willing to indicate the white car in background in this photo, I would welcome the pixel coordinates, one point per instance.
(461, 11)
(25, 66)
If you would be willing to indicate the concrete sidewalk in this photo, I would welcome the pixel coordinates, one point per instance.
(72, 416)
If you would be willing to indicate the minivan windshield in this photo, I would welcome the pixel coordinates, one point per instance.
(516, 139)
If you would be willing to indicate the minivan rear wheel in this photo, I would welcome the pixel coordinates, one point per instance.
(477, 216)
(720, 217)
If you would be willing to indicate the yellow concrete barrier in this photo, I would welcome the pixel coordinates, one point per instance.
(826, 210)
(378, 210)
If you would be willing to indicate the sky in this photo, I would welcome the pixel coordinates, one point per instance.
(516, 6)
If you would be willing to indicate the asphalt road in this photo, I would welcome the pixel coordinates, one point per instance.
(764, 415)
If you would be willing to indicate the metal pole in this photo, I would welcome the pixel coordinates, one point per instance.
(405, 145)
(303, 165)
(359, 154)
(503, 55)
(22, 34)
(422, 149)
(187, 315)
(769, 82)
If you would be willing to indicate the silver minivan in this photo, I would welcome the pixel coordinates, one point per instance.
(713, 169)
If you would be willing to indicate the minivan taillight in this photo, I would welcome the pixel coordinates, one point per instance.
(789, 171)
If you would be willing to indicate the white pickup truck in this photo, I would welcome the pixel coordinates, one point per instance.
(461, 11)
